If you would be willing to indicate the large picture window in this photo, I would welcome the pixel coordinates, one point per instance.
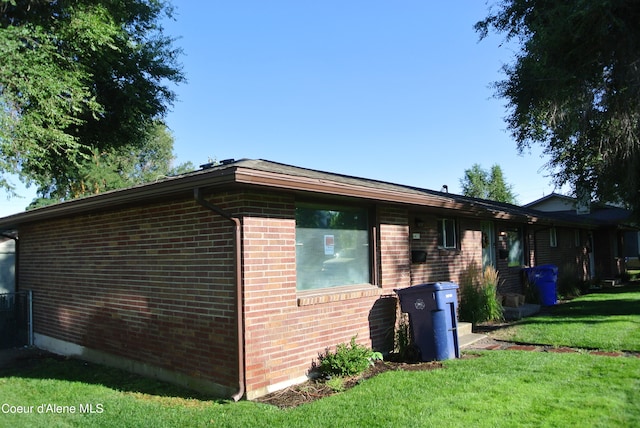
(332, 246)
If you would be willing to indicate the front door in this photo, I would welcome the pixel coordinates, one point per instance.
(488, 244)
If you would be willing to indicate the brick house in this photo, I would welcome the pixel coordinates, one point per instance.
(232, 279)
(611, 240)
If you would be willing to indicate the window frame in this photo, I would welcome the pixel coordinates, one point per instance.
(370, 228)
(518, 232)
(553, 237)
(441, 230)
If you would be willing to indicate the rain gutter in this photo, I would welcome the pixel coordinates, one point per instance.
(238, 282)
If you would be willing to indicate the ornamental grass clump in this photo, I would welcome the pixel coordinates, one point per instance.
(479, 295)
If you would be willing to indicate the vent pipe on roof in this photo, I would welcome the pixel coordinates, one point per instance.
(445, 188)
(238, 279)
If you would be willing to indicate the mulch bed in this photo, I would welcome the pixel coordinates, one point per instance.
(313, 390)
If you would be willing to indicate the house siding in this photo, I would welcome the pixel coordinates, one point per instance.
(565, 255)
(287, 330)
(152, 284)
(444, 264)
(452, 264)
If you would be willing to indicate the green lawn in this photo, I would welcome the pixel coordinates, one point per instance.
(608, 319)
(484, 389)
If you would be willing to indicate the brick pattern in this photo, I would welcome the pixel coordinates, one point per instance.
(285, 333)
(566, 255)
(152, 283)
(394, 252)
(444, 264)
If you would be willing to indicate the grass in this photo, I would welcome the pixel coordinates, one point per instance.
(484, 389)
(633, 274)
(607, 320)
(506, 388)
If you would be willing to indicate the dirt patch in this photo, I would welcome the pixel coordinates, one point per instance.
(312, 390)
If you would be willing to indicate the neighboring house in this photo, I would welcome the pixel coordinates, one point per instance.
(232, 279)
(7, 264)
(607, 246)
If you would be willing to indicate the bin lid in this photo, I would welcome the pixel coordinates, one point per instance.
(430, 286)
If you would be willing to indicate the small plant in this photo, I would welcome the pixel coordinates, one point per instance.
(531, 293)
(569, 283)
(403, 343)
(336, 384)
(347, 360)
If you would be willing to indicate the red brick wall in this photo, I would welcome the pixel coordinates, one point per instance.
(155, 284)
(444, 264)
(451, 264)
(564, 255)
(286, 330)
(394, 249)
(152, 284)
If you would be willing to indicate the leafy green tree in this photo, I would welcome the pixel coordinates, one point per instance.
(116, 168)
(483, 184)
(498, 189)
(79, 78)
(474, 183)
(574, 89)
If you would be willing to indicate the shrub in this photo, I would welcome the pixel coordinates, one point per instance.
(491, 307)
(569, 284)
(347, 360)
(479, 295)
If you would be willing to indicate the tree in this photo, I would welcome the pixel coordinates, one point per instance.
(574, 88)
(115, 169)
(483, 184)
(474, 183)
(79, 78)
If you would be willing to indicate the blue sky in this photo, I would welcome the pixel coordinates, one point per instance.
(394, 91)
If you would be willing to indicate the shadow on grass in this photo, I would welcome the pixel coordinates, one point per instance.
(594, 308)
(625, 302)
(36, 364)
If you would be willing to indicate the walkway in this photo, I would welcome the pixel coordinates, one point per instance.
(490, 344)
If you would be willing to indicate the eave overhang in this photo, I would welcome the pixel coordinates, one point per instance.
(265, 176)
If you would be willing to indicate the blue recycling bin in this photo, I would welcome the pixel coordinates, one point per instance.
(433, 309)
(545, 279)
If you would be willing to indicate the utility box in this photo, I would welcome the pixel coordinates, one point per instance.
(433, 309)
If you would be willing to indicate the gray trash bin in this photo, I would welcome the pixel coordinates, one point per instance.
(432, 310)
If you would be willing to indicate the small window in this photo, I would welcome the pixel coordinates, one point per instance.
(332, 246)
(447, 233)
(553, 237)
